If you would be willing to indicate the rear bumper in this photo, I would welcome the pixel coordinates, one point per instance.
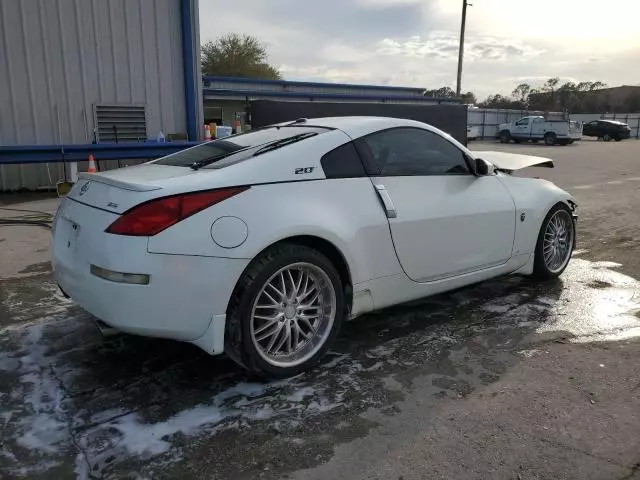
(185, 296)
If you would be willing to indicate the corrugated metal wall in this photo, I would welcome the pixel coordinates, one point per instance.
(60, 57)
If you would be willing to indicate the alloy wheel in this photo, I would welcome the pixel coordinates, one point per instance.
(293, 314)
(558, 241)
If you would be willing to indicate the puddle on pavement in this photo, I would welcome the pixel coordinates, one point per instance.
(72, 402)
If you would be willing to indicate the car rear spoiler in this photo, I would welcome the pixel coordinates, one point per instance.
(134, 187)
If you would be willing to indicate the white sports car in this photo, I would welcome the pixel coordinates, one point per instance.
(260, 244)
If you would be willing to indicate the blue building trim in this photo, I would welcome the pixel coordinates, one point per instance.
(188, 58)
(77, 153)
(252, 94)
(207, 79)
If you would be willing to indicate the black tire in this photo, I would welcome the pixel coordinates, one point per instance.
(606, 137)
(540, 269)
(550, 138)
(238, 341)
(504, 136)
(617, 138)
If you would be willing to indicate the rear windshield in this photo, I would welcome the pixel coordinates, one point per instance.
(229, 150)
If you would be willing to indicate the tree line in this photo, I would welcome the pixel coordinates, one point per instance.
(235, 55)
(581, 97)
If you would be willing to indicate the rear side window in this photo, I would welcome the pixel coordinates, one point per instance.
(342, 162)
(239, 147)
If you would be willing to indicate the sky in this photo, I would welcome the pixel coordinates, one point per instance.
(415, 42)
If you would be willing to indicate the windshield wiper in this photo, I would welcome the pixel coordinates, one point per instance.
(281, 143)
(198, 164)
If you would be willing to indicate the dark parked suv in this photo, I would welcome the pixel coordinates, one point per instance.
(606, 130)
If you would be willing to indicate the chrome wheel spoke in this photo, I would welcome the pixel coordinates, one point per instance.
(270, 298)
(275, 289)
(293, 283)
(263, 334)
(267, 318)
(307, 308)
(313, 299)
(275, 336)
(298, 284)
(284, 334)
(284, 286)
(305, 320)
(295, 335)
(307, 335)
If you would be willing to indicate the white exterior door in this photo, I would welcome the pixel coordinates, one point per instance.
(444, 220)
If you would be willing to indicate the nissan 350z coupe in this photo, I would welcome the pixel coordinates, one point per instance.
(260, 244)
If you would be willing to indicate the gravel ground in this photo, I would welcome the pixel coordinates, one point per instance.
(506, 379)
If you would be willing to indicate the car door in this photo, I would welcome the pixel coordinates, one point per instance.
(536, 129)
(591, 128)
(444, 220)
(521, 128)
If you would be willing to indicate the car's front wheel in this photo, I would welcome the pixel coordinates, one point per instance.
(505, 136)
(285, 311)
(555, 243)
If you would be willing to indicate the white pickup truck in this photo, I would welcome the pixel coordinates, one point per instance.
(560, 131)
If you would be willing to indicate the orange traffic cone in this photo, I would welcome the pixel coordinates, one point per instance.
(207, 133)
(92, 165)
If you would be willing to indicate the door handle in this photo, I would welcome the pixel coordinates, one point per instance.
(389, 207)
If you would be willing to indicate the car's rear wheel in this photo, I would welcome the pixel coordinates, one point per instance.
(285, 311)
(555, 243)
(550, 138)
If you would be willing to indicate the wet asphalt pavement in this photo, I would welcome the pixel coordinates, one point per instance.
(506, 379)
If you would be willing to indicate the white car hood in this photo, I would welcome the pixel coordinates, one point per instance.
(513, 161)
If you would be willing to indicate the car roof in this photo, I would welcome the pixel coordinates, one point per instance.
(357, 126)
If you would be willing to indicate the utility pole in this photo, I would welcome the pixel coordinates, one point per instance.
(461, 48)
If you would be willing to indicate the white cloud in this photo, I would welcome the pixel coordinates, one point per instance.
(415, 42)
(444, 45)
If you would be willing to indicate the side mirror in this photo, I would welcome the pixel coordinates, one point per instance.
(484, 168)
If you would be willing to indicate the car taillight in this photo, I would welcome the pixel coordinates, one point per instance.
(150, 218)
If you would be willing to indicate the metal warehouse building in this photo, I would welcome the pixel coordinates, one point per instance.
(105, 77)
(226, 99)
(83, 71)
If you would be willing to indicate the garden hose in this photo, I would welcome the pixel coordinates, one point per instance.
(30, 218)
